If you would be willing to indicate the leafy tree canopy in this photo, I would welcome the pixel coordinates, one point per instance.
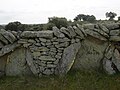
(83, 17)
(14, 26)
(58, 21)
(110, 15)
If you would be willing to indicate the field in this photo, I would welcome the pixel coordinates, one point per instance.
(74, 80)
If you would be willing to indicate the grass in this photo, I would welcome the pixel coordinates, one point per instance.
(74, 80)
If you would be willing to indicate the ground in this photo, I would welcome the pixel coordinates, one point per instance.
(74, 80)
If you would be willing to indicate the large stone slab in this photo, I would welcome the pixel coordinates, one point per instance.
(3, 39)
(103, 28)
(82, 29)
(107, 65)
(111, 61)
(17, 64)
(1, 45)
(65, 31)
(95, 34)
(34, 34)
(90, 54)
(8, 35)
(71, 31)
(116, 59)
(101, 33)
(68, 58)
(115, 32)
(8, 48)
(112, 26)
(3, 61)
(89, 26)
(78, 32)
(57, 32)
(114, 38)
(31, 64)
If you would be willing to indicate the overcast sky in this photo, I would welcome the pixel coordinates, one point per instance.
(38, 11)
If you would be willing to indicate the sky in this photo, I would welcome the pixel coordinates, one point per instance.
(38, 11)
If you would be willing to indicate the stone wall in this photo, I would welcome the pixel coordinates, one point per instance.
(86, 47)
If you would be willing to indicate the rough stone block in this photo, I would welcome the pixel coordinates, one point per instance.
(46, 58)
(57, 32)
(35, 34)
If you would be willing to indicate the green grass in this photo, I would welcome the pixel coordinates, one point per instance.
(74, 80)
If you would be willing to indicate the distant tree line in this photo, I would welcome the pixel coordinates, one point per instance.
(57, 21)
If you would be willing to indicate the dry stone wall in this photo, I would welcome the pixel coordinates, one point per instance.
(56, 51)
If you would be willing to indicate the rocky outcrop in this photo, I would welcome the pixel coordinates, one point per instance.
(84, 47)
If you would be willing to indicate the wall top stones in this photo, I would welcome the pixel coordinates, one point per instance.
(39, 34)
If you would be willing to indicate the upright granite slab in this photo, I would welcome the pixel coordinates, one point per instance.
(90, 54)
(3, 61)
(68, 58)
(17, 64)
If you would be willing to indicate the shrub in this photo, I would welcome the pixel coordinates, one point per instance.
(58, 21)
(14, 26)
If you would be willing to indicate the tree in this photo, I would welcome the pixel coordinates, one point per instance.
(79, 17)
(82, 17)
(58, 21)
(110, 15)
(14, 26)
(89, 18)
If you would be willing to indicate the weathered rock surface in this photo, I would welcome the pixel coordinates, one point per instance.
(116, 60)
(16, 63)
(3, 61)
(65, 31)
(34, 34)
(78, 32)
(82, 30)
(46, 58)
(111, 61)
(31, 64)
(107, 65)
(95, 34)
(1, 45)
(112, 26)
(102, 33)
(89, 26)
(8, 48)
(3, 39)
(71, 31)
(68, 58)
(57, 32)
(103, 28)
(114, 38)
(8, 35)
(90, 54)
(115, 32)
